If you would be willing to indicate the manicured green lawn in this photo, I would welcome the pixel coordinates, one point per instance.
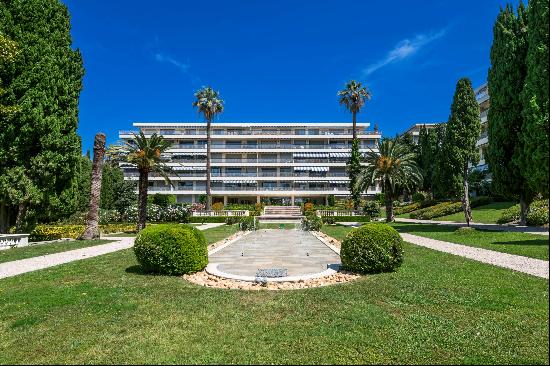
(529, 245)
(437, 308)
(14, 254)
(488, 214)
(220, 232)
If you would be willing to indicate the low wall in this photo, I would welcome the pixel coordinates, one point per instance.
(13, 240)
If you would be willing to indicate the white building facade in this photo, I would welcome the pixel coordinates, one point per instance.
(285, 162)
(482, 97)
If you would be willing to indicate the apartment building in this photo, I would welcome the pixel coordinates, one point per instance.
(286, 162)
(414, 130)
(482, 97)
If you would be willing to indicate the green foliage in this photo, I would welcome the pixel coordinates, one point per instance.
(535, 99)
(331, 200)
(162, 200)
(232, 220)
(44, 81)
(537, 215)
(247, 223)
(218, 206)
(427, 152)
(328, 220)
(349, 218)
(372, 248)
(418, 197)
(459, 145)
(202, 198)
(207, 219)
(171, 249)
(354, 171)
(54, 232)
(371, 209)
(506, 77)
(312, 222)
(446, 208)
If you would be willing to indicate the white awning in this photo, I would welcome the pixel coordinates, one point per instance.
(187, 168)
(310, 155)
(178, 155)
(339, 182)
(340, 155)
(240, 181)
(312, 168)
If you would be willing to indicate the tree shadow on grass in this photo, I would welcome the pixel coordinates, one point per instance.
(523, 242)
(423, 228)
(137, 269)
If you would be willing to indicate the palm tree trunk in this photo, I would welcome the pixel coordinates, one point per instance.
(20, 216)
(354, 118)
(466, 196)
(92, 221)
(4, 222)
(389, 204)
(208, 143)
(142, 198)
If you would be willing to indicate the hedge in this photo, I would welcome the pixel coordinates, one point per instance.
(54, 232)
(171, 249)
(447, 208)
(348, 218)
(207, 219)
(372, 248)
(413, 207)
(537, 216)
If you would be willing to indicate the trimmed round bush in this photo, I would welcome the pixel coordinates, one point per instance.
(171, 249)
(372, 248)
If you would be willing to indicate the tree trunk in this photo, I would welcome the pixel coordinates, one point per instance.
(208, 143)
(92, 220)
(4, 222)
(20, 217)
(354, 118)
(389, 207)
(466, 196)
(142, 198)
(523, 209)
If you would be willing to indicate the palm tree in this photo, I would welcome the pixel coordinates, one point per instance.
(92, 228)
(209, 104)
(146, 153)
(395, 167)
(354, 97)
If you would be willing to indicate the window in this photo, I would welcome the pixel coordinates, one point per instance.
(300, 131)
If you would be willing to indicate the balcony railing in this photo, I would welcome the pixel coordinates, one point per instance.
(194, 131)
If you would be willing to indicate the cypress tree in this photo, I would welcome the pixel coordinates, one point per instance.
(534, 135)
(506, 77)
(354, 170)
(427, 149)
(45, 82)
(459, 147)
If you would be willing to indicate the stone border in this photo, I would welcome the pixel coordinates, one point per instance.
(213, 277)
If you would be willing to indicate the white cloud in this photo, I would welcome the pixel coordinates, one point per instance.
(160, 57)
(404, 49)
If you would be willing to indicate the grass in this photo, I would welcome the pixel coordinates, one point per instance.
(437, 308)
(529, 245)
(17, 253)
(218, 233)
(487, 214)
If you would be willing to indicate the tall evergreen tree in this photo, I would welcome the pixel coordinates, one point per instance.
(535, 99)
(441, 174)
(459, 147)
(427, 149)
(45, 82)
(354, 170)
(506, 77)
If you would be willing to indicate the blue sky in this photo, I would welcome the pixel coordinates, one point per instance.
(276, 60)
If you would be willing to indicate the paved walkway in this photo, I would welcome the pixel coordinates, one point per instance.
(209, 225)
(535, 267)
(297, 251)
(479, 225)
(15, 268)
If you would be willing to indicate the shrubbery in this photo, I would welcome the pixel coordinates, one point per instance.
(218, 206)
(54, 232)
(247, 223)
(329, 220)
(371, 209)
(171, 249)
(349, 218)
(312, 222)
(413, 207)
(207, 219)
(447, 208)
(537, 216)
(372, 248)
(418, 197)
(155, 213)
(232, 220)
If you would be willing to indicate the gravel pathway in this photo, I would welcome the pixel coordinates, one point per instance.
(535, 267)
(479, 225)
(15, 268)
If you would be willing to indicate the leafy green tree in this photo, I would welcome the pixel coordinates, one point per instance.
(8, 53)
(459, 146)
(506, 77)
(209, 104)
(354, 97)
(439, 184)
(354, 170)
(535, 99)
(395, 167)
(45, 83)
